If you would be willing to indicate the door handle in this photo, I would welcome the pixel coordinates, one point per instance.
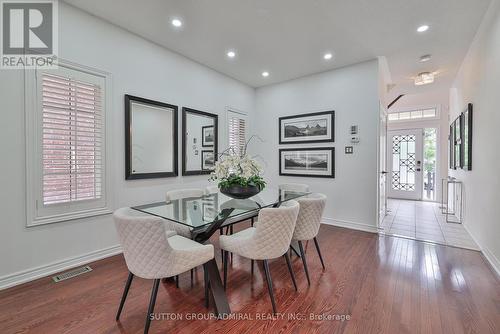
(383, 172)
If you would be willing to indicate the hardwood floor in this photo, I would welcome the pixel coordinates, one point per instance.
(383, 284)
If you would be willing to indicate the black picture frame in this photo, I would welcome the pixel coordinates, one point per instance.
(332, 161)
(457, 131)
(451, 143)
(330, 138)
(203, 153)
(466, 136)
(203, 142)
(215, 117)
(129, 173)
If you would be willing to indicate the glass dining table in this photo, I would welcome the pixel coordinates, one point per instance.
(207, 214)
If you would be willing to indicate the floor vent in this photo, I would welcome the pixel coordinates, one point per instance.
(71, 274)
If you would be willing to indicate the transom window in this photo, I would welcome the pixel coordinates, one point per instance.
(412, 115)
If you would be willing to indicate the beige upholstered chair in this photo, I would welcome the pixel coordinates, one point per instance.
(152, 252)
(270, 239)
(299, 187)
(308, 223)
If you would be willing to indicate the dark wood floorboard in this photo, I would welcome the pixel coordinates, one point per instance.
(384, 284)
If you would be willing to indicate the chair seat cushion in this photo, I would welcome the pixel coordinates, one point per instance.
(187, 254)
(235, 243)
(178, 242)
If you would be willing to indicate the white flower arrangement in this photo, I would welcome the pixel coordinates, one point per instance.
(233, 169)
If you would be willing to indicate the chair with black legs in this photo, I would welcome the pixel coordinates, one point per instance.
(270, 239)
(152, 252)
(308, 223)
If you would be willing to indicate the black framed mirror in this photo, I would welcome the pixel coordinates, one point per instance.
(199, 141)
(151, 139)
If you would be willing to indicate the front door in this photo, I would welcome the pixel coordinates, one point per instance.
(405, 153)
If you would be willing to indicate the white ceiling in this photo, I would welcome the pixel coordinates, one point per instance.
(289, 37)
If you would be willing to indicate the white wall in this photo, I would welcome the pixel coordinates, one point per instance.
(353, 93)
(478, 82)
(139, 68)
(431, 98)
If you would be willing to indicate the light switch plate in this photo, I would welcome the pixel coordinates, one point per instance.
(349, 150)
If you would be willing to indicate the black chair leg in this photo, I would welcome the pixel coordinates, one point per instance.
(192, 277)
(124, 296)
(303, 256)
(176, 278)
(221, 232)
(319, 252)
(252, 221)
(232, 231)
(270, 285)
(292, 249)
(289, 264)
(252, 266)
(205, 280)
(151, 308)
(225, 268)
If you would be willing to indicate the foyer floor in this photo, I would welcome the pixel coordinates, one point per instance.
(372, 284)
(424, 221)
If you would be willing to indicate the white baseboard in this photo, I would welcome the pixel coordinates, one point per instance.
(55, 267)
(488, 255)
(350, 225)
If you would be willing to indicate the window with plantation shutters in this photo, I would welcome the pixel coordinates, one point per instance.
(237, 131)
(71, 140)
(66, 149)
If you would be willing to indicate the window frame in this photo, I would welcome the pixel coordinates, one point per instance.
(36, 212)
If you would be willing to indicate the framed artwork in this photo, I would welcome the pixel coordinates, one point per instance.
(207, 160)
(451, 142)
(207, 136)
(467, 138)
(457, 131)
(309, 128)
(308, 162)
(150, 139)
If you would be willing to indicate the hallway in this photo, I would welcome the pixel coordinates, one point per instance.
(424, 221)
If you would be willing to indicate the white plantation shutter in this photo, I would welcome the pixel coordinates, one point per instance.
(71, 140)
(67, 176)
(237, 131)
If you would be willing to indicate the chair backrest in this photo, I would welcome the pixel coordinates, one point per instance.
(309, 218)
(144, 243)
(299, 187)
(274, 231)
(183, 193)
(211, 190)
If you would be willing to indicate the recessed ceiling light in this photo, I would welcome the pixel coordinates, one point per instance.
(425, 58)
(423, 28)
(231, 54)
(265, 74)
(327, 56)
(176, 23)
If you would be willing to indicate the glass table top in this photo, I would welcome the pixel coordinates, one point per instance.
(202, 211)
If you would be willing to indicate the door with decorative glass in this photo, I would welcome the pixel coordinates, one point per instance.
(405, 153)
